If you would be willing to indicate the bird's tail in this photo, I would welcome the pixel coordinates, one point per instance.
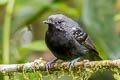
(98, 58)
(95, 56)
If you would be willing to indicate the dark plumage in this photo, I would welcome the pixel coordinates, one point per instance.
(67, 40)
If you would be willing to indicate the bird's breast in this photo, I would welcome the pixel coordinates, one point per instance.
(56, 38)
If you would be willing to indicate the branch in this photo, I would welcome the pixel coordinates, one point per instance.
(39, 65)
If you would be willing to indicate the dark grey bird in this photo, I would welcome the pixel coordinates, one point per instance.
(68, 41)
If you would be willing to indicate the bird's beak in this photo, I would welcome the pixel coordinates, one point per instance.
(46, 22)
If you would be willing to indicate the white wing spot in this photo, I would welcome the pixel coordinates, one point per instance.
(73, 28)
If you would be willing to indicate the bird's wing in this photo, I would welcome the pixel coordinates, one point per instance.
(83, 39)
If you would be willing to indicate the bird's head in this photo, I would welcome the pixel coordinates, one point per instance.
(60, 22)
(57, 21)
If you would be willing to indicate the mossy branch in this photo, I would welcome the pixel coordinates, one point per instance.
(39, 65)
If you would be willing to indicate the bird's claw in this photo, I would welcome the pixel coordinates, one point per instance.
(49, 63)
(48, 66)
(72, 63)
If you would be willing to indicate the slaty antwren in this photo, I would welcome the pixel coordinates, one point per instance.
(68, 41)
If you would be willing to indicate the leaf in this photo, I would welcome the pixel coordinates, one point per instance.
(65, 8)
(28, 11)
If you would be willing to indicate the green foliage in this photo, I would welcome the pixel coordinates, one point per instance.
(34, 46)
(3, 2)
(27, 11)
(66, 9)
(117, 17)
(99, 19)
(36, 76)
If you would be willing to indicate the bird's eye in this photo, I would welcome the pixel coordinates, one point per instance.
(59, 22)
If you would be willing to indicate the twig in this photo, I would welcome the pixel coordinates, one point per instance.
(39, 65)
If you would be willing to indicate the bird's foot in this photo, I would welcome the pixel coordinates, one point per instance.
(50, 62)
(72, 63)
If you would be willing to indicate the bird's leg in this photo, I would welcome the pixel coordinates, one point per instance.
(73, 61)
(50, 62)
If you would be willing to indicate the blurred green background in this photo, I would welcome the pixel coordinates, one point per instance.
(22, 31)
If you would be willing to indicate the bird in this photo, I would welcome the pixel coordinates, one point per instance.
(68, 41)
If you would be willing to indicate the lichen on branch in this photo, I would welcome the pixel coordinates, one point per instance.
(39, 65)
